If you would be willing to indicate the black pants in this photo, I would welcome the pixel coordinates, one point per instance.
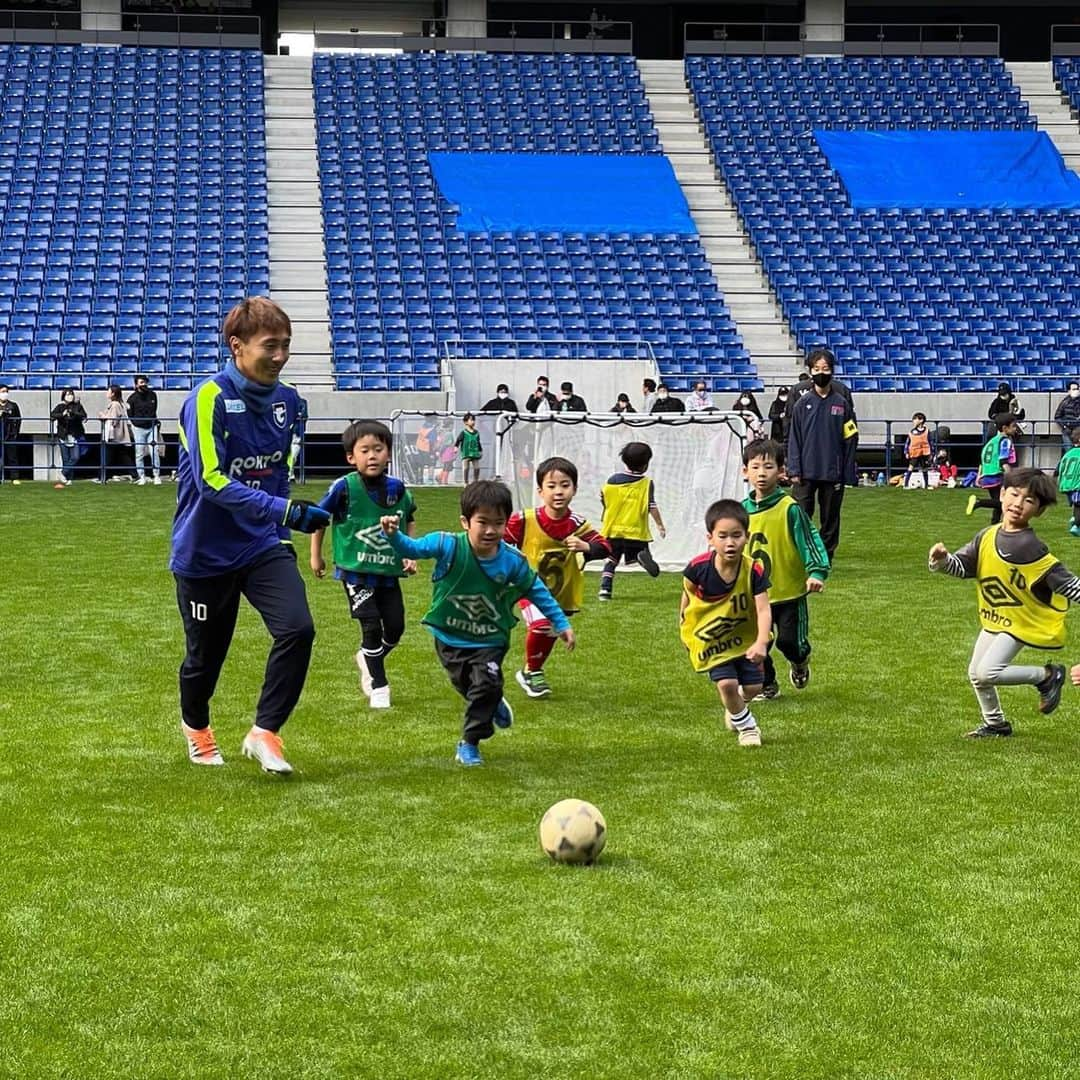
(829, 495)
(11, 460)
(992, 502)
(119, 461)
(476, 674)
(381, 614)
(790, 627)
(209, 607)
(622, 550)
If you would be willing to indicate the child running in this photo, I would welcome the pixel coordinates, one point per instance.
(724, 617)
(468, 444)
(629, 501)
(368, 569)
(786, 543)
(477, 582)
(1023, 594)
(997, 457)
(552, 537)
(1069, 479)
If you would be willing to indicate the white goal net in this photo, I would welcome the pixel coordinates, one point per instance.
(697, 458)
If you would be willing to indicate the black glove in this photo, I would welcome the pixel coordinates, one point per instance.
(305, 516)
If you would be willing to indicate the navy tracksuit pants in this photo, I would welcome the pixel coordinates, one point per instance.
(209, 606)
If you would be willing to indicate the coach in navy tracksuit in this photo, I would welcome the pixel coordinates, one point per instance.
(822, 441)
(231, 531)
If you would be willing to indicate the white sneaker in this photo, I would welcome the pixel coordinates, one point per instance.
(365, 675)
(265, 747)
(202, 747)
(380, 697)
(157, 481)
(141, 482)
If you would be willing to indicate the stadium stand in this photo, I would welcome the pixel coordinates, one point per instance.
(919, 300)
(403, 279)
(133, 210)
(1067, 77)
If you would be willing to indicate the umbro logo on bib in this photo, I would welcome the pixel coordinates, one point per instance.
(372, 537)
(475, 606)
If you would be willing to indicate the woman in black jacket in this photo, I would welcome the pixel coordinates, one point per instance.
(68, 417)
(776, 414)
(1005, 402)
(746, 402)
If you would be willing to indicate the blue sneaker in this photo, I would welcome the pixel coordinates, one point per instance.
(467, 754)
(504, 715)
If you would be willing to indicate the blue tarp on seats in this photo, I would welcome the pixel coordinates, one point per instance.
(945, 169)
(588, 193)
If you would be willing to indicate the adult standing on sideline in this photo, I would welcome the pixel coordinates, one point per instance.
(746, 402)
(231, 531)
(142, 412)
(700, 400)
(776, 415)
(10, 426)
(648, 395)
(68, 416)
(1067, 415)
(665, 403)
(115, 436)
(569, 401)
(501, 402)
(821, 449)
(541, 399)
(1005, 402)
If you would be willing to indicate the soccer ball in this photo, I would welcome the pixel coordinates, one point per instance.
(573, 831)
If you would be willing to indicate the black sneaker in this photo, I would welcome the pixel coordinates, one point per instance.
(648, 563)
(986, 731)
(1050, 689)
(800, 675)
(768, 692)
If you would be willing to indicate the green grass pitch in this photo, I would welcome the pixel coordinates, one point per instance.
(868, 895)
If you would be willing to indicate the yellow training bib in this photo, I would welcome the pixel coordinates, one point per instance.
(717, 631)
(1006, 603)
(559, 567)
(626, 511)
(772, 545)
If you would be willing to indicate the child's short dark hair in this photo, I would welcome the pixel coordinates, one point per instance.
(919, 416)
(763, 448)
(1004, 420)
(358, 429)
(486, 495)
(636, 456)
(1036, 481)
(467, 416)
(556, 464)
(726, 508)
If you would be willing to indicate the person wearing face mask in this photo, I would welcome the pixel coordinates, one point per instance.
(68, 417)
(1005, 402)
(665, 402)
(822, 441)
(501, 402)
(776, 415)
(1067, 415)
(569, 401)
(10, 425)
(746, 403)
(700, 400)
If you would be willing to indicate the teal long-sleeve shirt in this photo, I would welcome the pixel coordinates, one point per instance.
(507, 564)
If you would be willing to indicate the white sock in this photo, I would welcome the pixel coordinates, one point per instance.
(743, 721)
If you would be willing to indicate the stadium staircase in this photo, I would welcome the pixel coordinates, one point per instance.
(294, 202)
(1049, 107)
(739, 274)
